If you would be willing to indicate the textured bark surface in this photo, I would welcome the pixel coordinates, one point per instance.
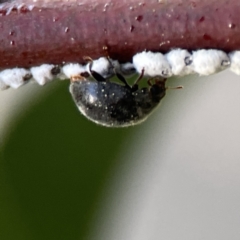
(39, 32)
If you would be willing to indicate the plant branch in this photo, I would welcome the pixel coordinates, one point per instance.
(39, 32)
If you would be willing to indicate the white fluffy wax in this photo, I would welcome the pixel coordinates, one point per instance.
(103, 67)
(179, 60)
(127, 68)
(42, 74)
(235, 61)
(206, 62)
(72, 69)
(14, 77)
(154, 64)
(3, 86)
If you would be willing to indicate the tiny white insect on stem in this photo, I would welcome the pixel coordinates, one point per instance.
(3, 86)
(206, 62)
(103, 66)
(180, 60)
(44, 73)
(15, 77)
(73, 69)
(235, 61)
(127, 69)
(154, 64)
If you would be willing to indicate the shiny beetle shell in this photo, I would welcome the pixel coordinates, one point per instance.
(112, 104)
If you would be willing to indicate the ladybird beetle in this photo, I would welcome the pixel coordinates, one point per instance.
(115, 105)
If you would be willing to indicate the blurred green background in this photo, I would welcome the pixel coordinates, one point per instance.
(176, 176)
(54, 164)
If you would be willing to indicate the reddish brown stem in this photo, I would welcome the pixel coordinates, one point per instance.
(57, 31)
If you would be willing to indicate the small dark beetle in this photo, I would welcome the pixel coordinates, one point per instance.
(112, 104)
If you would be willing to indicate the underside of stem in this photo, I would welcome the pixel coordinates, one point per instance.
(36, 32)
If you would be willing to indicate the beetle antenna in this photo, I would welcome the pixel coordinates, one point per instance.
(178, 87)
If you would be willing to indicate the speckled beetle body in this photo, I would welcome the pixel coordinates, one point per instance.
(114, 105)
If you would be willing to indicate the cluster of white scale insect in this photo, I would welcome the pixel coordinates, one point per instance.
(177, 62)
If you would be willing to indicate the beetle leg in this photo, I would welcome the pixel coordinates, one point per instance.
(119, 76)
(135, 85)
(95, 75)
(149, 81)
(122, 79)
(139, 77)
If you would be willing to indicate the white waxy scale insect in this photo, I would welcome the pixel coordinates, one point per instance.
(3, 86)
(73, 69)
(107, 67)
(177, 62)
(153, 64)
(127, 68)
(206, 62)
(15, 77)
(45, 73)
(104, 66)
(180, 61)
(235, 61)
